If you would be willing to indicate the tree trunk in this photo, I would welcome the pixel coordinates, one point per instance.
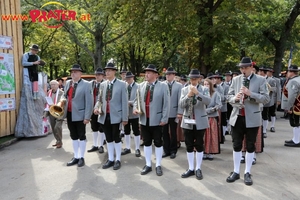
(279, 53)
(99, 45)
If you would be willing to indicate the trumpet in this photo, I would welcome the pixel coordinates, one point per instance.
(57, 110)
(100, 102)
(138, 98)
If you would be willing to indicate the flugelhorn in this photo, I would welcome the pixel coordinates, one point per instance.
(138, 99)
(57, 110)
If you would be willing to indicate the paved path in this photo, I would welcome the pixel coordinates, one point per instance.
(32, 169)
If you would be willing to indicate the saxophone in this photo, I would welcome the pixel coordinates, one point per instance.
(138, 98)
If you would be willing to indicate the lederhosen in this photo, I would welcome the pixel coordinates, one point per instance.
(33, 70)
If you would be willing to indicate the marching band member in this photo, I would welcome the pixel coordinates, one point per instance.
(133, 120)
(246, 93)
(170, 129)
(113, 114)
(153, 104)
(56, 124)
(79, 108)
(293, 92)
(98, 134)
(194, 122)
(211, 138)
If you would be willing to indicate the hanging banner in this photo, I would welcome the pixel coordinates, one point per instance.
(7, 74)
(7, 104)
(6, 42)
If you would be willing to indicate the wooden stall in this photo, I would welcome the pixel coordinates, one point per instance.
(11, 28)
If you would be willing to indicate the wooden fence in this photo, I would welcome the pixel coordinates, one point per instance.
(13, 29)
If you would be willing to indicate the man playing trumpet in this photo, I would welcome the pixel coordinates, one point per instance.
(56, 123)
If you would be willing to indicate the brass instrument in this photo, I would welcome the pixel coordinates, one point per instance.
(57, 110)
(296, 107)
(100, 101)
(138, 99)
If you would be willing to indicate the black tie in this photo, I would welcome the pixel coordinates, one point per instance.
(74, 89)
(129, 91)
(170, 88)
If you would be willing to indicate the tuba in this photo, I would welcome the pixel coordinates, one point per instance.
(296, 106)
(138, 98)
(57, 110)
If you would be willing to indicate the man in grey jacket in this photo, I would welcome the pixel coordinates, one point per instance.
(245, 94)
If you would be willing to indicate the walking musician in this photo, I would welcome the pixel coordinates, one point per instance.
(112, 108)
(170, 129)
(194, 100)
(245, 94)
(98, 134)
(79, 108)
(133, 120)
(153, 104)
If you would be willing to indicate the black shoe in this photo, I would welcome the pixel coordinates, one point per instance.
(165, 155)
(226, 133)
(74, 161)
(81, 162)
(254, 161)
(92, 149)
(108, 164)
(188, 173)
(243, 159)
(292, 144)
(146, 170)
(104, 142)
(248, 179)
(159, 171)
(272, 129)
(101, 149)
(117, 165)
(125, 151)
(265, 135)
(137, 153)
(199, 175)
(289, 141)
(233, 177)
(173, 155)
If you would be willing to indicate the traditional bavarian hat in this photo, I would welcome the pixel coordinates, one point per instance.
(170, 70)
(293, 68)
(228, 73)
(195, 73)
(99, 70)
(210, 75)
(76, 67)
(123, 70)
(111, 66)
(246, 61)
(217, 75)
(129, 75)
(35, 47)
(183, 77)
(264, 68)
(236, 73)
(151, 68)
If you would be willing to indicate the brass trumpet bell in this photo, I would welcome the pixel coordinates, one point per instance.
(56, 111)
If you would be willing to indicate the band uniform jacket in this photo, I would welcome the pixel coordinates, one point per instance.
(131, 100)
(159, 106)
(259, 95)
(94, 85)
(277, 95)
(118, 103)
(82, 103)
(293, 88)
(224, 99)
(202, 100)
(174, 99)
(272, 90)
(284, 99)
(215, 104)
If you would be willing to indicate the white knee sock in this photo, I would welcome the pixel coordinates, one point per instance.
(199, 158)
(101, 138)
(118, 147)
(248, 161)
(82, 147)
(265, 125)
(127, 141)
(137, 141)
(296, 137)
(95, 138)
(273, 119)
(224, 130)
(110, 150)
(190, 157)
(158, 155)
(75, 148)
(237, 161)
(148, 154)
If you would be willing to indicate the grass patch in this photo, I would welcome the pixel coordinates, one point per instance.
(6, 138)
